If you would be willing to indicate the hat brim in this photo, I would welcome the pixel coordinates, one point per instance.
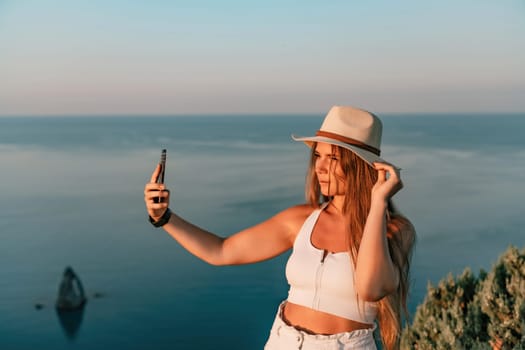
(365, 155)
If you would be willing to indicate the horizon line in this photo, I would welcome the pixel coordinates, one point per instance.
(248, 114)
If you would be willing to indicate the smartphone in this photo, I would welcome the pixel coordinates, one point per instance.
(160, 178)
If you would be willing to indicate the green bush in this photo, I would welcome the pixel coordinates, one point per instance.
(503, 299)
(450, 317)
(470, 312)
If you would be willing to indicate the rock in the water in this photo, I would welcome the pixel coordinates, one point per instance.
(70, 292)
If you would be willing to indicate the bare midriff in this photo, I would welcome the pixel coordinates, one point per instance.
(318, 322)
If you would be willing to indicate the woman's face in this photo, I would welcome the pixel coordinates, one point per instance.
(328, 170)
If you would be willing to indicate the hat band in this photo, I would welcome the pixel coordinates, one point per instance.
(348, 140)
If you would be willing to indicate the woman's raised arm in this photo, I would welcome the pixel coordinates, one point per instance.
(257, 243)
(376, 274)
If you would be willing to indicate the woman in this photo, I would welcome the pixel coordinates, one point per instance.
(351, 248)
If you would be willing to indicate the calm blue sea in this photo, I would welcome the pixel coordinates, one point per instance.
(71, 193)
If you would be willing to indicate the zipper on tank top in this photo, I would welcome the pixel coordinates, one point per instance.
(318, 279)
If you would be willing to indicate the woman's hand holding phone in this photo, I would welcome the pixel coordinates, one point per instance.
(156, 195)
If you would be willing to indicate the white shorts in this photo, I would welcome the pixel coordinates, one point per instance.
(285, 337)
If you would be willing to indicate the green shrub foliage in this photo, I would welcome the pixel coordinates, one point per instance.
(473, 312)
(503, 299)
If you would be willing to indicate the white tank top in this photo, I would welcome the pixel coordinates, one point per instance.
(324, 284)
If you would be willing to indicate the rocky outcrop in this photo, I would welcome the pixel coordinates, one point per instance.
(70, 292)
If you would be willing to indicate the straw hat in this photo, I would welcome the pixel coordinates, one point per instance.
(351, 128)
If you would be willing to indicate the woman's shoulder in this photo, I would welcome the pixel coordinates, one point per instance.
(299, 210)
(295, 215)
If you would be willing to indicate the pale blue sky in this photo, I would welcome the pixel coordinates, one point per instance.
(177, 57)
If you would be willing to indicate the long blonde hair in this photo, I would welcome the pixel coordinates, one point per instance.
(359, 178)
